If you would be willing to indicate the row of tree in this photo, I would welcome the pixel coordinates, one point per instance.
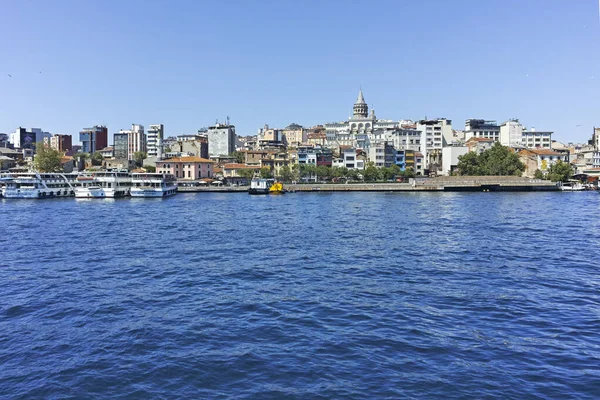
(309, 171)
(497, 160)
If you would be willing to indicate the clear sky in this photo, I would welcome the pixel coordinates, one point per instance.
(188, 63)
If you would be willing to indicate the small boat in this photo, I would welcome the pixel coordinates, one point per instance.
(153, 185)
(276, 188)
(572, 187)
(265, 186)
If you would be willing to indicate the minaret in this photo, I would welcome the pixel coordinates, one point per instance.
(361, 109)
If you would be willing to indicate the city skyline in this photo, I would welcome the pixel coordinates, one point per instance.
(278, 64)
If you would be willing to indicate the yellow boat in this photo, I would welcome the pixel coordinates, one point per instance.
(276, 188)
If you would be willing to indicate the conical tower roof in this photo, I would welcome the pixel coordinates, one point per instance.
(361, 99)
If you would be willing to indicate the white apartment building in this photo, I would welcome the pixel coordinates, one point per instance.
(221, 140)
(533, 139)
(434, 134)
(511, 133)
(154, 140)
(480, 128)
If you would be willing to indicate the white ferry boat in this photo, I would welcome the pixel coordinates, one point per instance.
(36, 185)
(104, 184)
(572, 186)
(153, 185)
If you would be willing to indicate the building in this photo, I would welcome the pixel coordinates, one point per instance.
(450, 156)
(108, 152)
(382, 154)
(121, 146)
(221, 139)
(136, 141)
(435, 134)
(61, 143)
(187, 168)
(480, 128)
(511, 134)
(26, 139)
(357, 130)
(154, 140)
(93, 139)
(479, 145)
(294, 135)
(533, 139)
(541, 159)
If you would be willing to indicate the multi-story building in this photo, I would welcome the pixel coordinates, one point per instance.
(63, 143)
(154, 140)
(121, 145)
(187, 168)
(136, 140)
(480, 128)
(93, 139)
(221, 139)
(405, 138)
(294, 135)
(382, 154)
(511, 134)
(434, 135)
(536, 139)
(26, 139)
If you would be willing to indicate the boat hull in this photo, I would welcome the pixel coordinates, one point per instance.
(36, 194)
(100, 193)
(153, 193)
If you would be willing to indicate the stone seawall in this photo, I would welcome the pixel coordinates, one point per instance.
(448, 184)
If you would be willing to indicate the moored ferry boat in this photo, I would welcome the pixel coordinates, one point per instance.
(265, 186)
(152, 185)
(36, 185)
(104, 184)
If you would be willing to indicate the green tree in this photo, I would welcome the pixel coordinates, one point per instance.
(409, 173)
(139, 157)
(149, 168)
(353, 174)
(285, 173)
(240, 157)
(295, 172)
(308, 171)
(500, 160)
(468, 164)
(497, 160)
(247, 173)
(372, 174)
(538, 174)
(560, 172)
(323, 172)
(97, 158)
(265, 172)
(47, 159)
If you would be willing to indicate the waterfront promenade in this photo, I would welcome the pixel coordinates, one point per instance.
(440, 184)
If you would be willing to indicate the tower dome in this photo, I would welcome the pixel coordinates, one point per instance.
(361, 109)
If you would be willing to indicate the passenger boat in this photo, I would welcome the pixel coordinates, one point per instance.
(153, 185)
(572, 187)
(36, 185)
(104, 184)
(265, 186)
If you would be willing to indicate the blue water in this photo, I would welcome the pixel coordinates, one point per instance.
(350, 295)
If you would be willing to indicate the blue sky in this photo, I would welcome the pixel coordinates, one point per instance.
(188, 63)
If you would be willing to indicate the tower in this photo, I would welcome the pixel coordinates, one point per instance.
(361, 109)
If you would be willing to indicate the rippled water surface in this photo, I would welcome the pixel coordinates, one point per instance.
(351, 295)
